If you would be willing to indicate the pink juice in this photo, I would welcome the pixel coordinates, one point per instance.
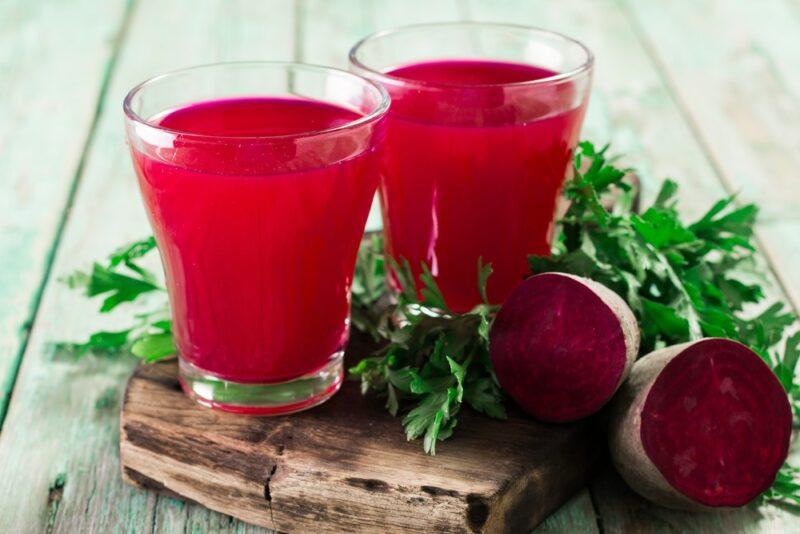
(474, 161)
(259, 240)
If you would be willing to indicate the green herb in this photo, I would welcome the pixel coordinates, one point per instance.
(368, 293)
(109, 281)
(434, 361)
(786, 487)
(120, 279)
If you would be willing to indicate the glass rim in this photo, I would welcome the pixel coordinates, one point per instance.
(373, 116)
(585, 66)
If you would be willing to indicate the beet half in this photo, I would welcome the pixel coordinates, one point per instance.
(561, 345)
(700, 425)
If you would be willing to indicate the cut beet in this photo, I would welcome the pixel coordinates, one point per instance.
(702, 424)
(561, 345)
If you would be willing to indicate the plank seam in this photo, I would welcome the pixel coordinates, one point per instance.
(155, 514)
(598, 519)
(298, 35)
(10, 385)
(705, 148)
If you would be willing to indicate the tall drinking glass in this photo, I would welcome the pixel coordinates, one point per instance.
(257, 179)
(479, 139)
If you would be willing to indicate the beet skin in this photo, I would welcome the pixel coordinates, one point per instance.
(561, 345)
(700, 425)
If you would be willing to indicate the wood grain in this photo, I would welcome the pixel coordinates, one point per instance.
(47, 112)
(346, 465)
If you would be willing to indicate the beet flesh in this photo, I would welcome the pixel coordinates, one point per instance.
(561, 345)
(701, 425)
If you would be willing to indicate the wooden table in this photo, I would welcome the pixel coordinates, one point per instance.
(707, 92)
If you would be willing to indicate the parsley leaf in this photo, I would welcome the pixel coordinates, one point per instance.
(434, 359)
(369, 290)
(120, 279)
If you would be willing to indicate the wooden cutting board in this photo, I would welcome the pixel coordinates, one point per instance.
(345, 466)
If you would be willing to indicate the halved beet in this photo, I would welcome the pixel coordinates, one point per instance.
(561, 345)
(700, 425)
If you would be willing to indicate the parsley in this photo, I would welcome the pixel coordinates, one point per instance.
(434, 361)
(118, 280)
(785, 488)
(117, 286)
(369, 292)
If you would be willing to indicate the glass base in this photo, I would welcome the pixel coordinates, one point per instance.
(277, 398)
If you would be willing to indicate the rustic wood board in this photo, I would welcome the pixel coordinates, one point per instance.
(346, 465)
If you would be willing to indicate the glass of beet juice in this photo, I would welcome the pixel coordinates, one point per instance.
(479, 140)
(257, 179)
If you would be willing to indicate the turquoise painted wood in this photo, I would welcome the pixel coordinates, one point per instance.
(716, 110)
(48, 97)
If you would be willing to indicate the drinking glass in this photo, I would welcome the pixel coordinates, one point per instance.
(257, 180)
(479, 140)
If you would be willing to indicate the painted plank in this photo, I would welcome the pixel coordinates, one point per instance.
(632, 107)
(576, 515)
(62, 473)
(46, 115)
(741, 92)
(622, 511)
(330, 29)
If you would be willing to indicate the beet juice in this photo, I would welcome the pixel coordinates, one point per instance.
(258, 206)
(477, 149)
(460, 185)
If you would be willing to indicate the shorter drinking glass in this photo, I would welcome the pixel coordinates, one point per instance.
(257, 179)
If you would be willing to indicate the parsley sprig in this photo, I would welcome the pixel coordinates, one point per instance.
(434, 361)
(119, 280)
(369, 294)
